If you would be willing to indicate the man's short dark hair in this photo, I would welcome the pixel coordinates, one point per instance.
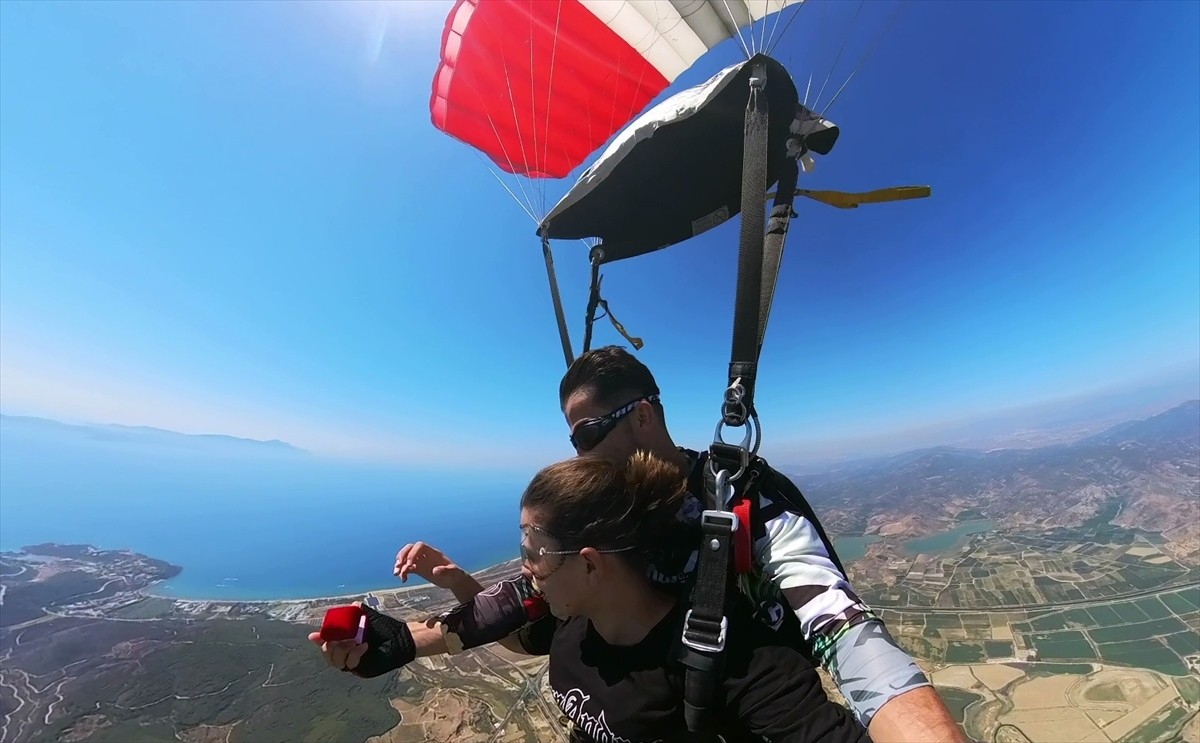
(611, 374)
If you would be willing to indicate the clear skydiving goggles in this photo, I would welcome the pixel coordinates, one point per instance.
(543, 553)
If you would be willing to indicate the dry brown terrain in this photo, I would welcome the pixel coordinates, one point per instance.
(1104, 706)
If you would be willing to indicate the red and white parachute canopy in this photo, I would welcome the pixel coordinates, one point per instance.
(539, 85)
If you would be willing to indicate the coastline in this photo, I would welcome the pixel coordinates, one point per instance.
(397, 589)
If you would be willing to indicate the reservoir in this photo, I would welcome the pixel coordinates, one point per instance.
(948, 540)
(853, 548)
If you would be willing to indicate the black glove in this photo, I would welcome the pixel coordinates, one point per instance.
(389, 643)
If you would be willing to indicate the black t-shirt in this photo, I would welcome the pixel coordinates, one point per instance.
(634, 693)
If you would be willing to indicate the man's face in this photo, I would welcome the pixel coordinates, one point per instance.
(619, 430)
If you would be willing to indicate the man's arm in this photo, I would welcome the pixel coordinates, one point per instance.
(917, 716)
(890, 691)
(874, 674)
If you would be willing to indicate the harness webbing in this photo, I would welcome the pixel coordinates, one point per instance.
(558, 308)
(743, 362)
(706, 622)
(777, 229)
(731, 501)
(705, 626)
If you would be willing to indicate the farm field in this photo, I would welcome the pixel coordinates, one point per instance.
(1158, 632)
(1046, 703)
(1015, 570)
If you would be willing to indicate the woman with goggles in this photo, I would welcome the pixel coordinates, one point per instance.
(589, 525)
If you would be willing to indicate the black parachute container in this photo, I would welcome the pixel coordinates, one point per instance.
(676, 171)
(681, 168)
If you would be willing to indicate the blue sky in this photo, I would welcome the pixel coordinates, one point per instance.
(238, 218)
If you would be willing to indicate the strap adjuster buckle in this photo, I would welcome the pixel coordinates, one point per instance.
(719, 520)
(700, 645)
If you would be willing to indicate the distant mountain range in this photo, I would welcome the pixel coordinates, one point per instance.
(1150, 467)
(51, 432)
(1021, 427)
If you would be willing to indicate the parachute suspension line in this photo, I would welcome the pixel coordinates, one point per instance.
(632, 102)
(549, 90)
(865, 57)
(533, 109)
(773, 41)
(528, 203)
(821, 35)
(612, 110)
(762, 36)
(557, 299)
(525, 208)
(512, 100)
(821, 23)
(845, 41)
(738, 29)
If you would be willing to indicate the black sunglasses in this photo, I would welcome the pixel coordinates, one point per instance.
(591, 431)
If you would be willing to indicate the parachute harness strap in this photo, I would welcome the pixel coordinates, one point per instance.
(747, 309)
(558, 307)
(706, 623)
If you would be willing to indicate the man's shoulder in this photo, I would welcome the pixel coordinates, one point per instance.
(780, 491)
(768, 474)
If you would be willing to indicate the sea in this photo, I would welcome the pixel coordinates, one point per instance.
(250, 522)
(247, 525)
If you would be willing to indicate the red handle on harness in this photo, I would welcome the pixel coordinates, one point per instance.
(742, 542)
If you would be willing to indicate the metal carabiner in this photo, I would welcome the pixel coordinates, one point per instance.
(724, 488)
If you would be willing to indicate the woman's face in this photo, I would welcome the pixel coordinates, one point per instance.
(562, 576)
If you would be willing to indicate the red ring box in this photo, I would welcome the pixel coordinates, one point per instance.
(341, 623)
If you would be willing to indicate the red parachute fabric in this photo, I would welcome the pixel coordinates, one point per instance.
(536, 85)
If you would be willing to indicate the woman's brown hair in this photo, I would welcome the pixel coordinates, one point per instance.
(588, 501)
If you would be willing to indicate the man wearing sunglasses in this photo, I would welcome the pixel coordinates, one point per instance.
(613, 408)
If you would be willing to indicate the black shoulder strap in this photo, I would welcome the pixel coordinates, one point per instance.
(759, 261)
(705, 625)
(706, 622)
(734, 469)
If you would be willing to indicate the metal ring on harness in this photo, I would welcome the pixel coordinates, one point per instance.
(734, 407)
(753, 434)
